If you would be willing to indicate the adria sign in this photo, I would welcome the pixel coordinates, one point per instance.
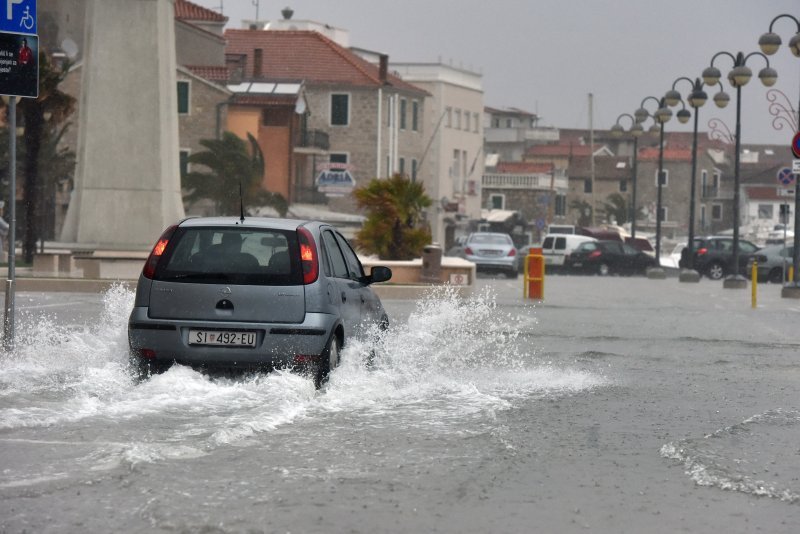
(796, 145)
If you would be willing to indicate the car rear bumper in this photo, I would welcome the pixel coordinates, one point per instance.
(503, 263)
(277, 344)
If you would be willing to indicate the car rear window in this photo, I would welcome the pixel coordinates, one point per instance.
(589, 245)
(548, 242)
(246, 256)
(490, 239)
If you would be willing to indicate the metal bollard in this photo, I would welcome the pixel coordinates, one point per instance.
(754, 284)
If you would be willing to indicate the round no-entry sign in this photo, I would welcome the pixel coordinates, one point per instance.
(796, 145)
(785, 176)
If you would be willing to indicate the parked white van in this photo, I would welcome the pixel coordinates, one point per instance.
(556, 246)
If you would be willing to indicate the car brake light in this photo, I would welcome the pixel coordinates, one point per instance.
(147, 353)
(308, 258)
(595, 254)
(702, 251)
(468, 250)
(512, 252)
(159, 248)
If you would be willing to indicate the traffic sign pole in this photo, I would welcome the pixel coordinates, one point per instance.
(8, 323)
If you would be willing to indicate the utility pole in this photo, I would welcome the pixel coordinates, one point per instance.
(591, 156)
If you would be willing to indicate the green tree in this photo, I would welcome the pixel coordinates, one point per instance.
(617, 207)
(231, 163)
(41, 118)
(394, 229)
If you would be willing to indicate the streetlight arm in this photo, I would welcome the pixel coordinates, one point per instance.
(755, 54)
(785, 15)
(645, 99)
(723, 53)
(682, 78)
(628, 115)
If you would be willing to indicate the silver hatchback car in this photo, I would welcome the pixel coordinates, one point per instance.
(251, 293)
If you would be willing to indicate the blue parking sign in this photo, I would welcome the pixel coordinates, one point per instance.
(18, 16)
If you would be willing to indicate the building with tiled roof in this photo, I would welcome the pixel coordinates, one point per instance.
(371, 119)
(188, 11)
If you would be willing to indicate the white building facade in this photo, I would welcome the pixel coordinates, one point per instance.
(453, 161)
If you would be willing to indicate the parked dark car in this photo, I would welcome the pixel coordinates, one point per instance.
(252, 293)
(608, 257)
(713, 256)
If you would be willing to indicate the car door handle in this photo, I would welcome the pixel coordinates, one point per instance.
(363, 300)
(344, 297)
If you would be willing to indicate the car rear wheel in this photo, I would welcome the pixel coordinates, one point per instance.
(144, 368)
(329, 360)
(603, 269)
(715, 271)
(776, 276)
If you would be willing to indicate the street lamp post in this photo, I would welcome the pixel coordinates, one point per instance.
(769, 44)
(661, 116)
(697, 98)
(636, 130)
(738, 77)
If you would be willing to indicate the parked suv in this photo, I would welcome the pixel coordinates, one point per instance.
(249, 294)
(713, 256)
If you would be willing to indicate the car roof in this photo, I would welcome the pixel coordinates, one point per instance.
(249, 222)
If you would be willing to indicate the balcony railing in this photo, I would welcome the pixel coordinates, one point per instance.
(522, 181)
(716, 192)
(314, 139)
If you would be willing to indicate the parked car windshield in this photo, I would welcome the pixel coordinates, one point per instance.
(231, 256)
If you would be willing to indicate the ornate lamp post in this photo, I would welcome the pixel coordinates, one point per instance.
(661, 116)
(738, 77)
(696, 98)
(636, 131)
(769, 44)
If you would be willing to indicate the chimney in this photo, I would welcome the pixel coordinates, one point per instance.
(383, 68)
(258, 62)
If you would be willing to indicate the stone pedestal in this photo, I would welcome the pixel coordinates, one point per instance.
(689, 275)
(735, 282)
(791, 291)
(656, 273)
(127, 184)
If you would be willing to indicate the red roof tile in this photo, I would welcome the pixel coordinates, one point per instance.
(308, 56)
(764, 193)
(186, 10)
(210, 73)
(524, 167)
(670, 154)
(559, 150)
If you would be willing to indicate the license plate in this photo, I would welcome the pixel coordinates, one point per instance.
(226, 338)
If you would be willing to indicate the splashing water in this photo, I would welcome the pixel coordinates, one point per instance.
(455, 360)
(749, 457)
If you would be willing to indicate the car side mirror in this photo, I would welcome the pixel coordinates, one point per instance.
(378, 274)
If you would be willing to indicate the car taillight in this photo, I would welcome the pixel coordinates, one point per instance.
(159, 248)
(701, 251)
(468, 250)
(308, 256)
(512, 252)
(595, 254)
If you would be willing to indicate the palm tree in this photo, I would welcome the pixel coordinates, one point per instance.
(231, 165)
(617, 207)
(394, 229)
(584, 210)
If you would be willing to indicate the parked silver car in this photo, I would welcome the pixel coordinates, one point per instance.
(773, 262)
(250, 294)
(491, 251)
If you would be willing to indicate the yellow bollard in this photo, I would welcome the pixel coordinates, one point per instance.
(534, 275)
(754, 284)
(791, 273)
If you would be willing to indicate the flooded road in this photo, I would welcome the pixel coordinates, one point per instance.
(618, 405)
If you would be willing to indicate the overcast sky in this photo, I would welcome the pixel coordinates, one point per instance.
(545, 56)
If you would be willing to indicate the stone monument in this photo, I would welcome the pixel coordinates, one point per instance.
(127, 184)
